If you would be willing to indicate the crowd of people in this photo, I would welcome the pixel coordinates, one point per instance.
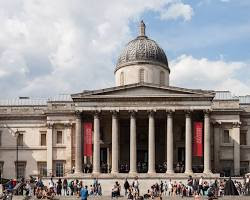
(32, 187)
(192, 187)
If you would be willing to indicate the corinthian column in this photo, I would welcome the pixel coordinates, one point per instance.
(133, 156)
(96, 156)
(78, 143)
(151, 143)
(188, 146)
(207, 157)
(114, 143)
(170, 143)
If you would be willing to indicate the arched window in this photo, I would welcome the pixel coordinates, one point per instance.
(162, 78)
(122, 78)
(141, 75)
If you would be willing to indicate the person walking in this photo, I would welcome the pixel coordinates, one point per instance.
(59, 187)
(190, 185)
(84, 193)
(65, 187)
(200, 187)
(126, 186)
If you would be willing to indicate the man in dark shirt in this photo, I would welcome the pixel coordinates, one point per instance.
(190, 185)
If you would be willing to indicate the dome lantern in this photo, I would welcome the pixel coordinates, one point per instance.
(142, 28)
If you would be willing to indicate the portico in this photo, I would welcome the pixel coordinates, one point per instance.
(129, 122)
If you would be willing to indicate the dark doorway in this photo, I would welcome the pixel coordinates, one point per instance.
(142, 161)
(104, 160)
(181, 155)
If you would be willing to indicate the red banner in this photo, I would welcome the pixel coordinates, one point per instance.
(197, 142)
(87, 130)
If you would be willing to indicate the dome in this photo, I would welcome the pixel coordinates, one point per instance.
(142, 50)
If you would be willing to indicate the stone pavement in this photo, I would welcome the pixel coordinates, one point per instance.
(164, 198)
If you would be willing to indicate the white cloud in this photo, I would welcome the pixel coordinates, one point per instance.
(177, 10)
(187, 71)
(61, 46)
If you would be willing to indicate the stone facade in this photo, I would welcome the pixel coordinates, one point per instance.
(140, 127)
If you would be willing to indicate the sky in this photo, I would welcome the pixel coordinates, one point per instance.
(67, 46)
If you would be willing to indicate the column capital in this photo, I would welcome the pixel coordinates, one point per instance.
(216, 123)
(115, 113)
(236, 124)
(133, 113)
(170, 110)
(68, 125)
(207, 111)
(188, 111)
(97, 113)
(151, 112)
(78, 114)
(50, 125)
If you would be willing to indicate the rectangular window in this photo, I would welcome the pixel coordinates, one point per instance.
(42, 168)
(1, 169)
(43, 139)
(226, 138)
(0, 138)
(59, 138)
(21, 169)
(59, 168)
(243, 138)
(20, 139)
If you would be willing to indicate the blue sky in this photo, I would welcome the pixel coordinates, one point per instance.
(217, 29)
(46, 51)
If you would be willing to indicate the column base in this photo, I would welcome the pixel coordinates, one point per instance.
(96, 172)
(133, 173)
(188, 172)
(170, 171)
(76, 174)
(114, 172)
(151, 172)
(207, 172)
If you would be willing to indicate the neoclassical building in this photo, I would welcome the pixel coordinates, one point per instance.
(142, 126)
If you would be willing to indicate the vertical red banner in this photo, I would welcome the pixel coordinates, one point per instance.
(197, 142)
(87, 144)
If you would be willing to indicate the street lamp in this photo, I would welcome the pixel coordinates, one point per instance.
(17, 133)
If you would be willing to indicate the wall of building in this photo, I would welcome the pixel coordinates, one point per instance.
(151, 74)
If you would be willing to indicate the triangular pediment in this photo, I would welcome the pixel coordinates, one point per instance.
(144, 90)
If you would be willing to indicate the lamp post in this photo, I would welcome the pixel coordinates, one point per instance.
(17, 133)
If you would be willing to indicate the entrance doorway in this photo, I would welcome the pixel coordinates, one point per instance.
(104, 160)
(181, 155)
(142, 161)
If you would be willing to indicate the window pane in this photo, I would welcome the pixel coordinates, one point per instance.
(0, 138)
(226, 136)
(20, 140)
(21, 169)
(243, 138)
(42, 168)
(43, 139)
(162, 78)
(59, 137)
(59, 168)
(1, 169)
(122, 78)
(141, 75)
